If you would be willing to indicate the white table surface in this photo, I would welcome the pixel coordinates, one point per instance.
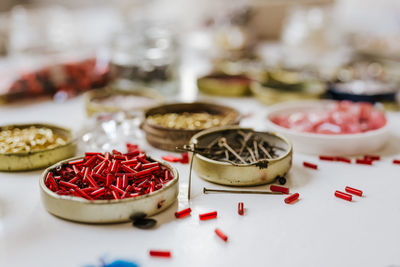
(318, 230)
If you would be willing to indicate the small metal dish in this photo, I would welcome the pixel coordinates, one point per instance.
(24, 161)
(224, 84)
(241, 174)
(169, 138)
(108, 211)
(94, 97)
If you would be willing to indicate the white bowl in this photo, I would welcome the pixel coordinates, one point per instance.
(326, 144)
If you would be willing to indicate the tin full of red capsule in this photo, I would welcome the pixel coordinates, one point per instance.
(292, 198)
(343, 195)
(353, 191)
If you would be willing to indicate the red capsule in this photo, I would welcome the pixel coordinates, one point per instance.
(150, 165)
(276, 188)
(124, 181)
(353, 191)
(91, 181)
(171, 158)
(396, 161)
(292, 198)
(78, 161)
(208, 216)
(68, 185)
(159, 253)
(364, 161)
(328, 158)
(115, 194)
(98, 192)
(221, 235)
(372, 157)
(240, 208)
(343, 159)
(88, 154)
(343, 195)
(310, 165)
(185, 158)
(114, 188)
(183, 213)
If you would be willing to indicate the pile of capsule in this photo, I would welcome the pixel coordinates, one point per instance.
(109, 176)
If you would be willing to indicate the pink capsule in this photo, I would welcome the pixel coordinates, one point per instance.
(292, 198)
(208, 216)
(344, 196)
(183, 213)
(353, 191)
(240, 208)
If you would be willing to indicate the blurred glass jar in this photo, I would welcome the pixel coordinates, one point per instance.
(148, 55)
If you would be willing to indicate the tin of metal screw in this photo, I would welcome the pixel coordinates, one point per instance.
(108, 211)
(257, 173)
(25, 161)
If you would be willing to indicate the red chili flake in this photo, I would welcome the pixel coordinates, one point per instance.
(396, 161)
(310, 165)
(292, 198)
(343, 159)
(97, 177)
(208, 216)
(364, 161)
(353, 191)
(159, 253)
(221, 235)
(328, 158)
(343, 195)
(276, 188)
(183, 213)
(171, 158)
(240, 208)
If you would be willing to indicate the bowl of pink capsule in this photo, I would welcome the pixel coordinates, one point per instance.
(108, 188)
(327, 127)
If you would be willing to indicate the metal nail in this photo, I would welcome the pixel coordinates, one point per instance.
(265, 151)
(222, 143)
(209, 190)
(253, 158)
(256, 150)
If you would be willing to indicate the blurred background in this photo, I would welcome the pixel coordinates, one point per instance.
(61, 48)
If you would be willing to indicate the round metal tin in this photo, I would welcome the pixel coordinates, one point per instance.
(240, 174)
(107, 211)
(24, 161)
(224, 85)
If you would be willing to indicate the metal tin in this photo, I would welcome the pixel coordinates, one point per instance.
(241, 174)
(92, 107)
(224, 85)
(24, 161)
(169, 138)
(108, 211)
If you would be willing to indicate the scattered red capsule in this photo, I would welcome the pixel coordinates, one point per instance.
(353, 191)
(277, 188)
(171, 158)
(183, 213)
(310, 165)
(221, 235)
(364, 161)
(292, 198)
(396, 161)
(372, 157)
(241, 208)
(343, 195)
(159, 253)
(328, 158)
(343, 159)
(208, 216)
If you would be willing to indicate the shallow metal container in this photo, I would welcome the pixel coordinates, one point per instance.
(169, 138)
(107, 211)
(24, 161)
(241, 174)
(224, 85)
